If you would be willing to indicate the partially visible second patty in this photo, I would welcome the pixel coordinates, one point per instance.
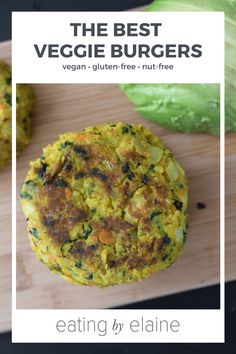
(24, 106)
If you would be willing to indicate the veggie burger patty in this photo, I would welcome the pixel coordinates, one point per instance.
(106, 205)
(24, 105)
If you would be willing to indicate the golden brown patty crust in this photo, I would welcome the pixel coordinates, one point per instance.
(106, 205)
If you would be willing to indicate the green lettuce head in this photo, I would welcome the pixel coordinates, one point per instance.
(192, 107)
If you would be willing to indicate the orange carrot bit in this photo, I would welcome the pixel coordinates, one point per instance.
(80, 137)
(68, 193)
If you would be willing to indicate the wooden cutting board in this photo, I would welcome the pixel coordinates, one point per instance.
(62, 108)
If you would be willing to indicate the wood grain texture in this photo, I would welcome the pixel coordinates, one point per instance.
(62, 108)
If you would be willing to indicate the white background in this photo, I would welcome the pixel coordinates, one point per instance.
(195, 326)
(204, 28)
